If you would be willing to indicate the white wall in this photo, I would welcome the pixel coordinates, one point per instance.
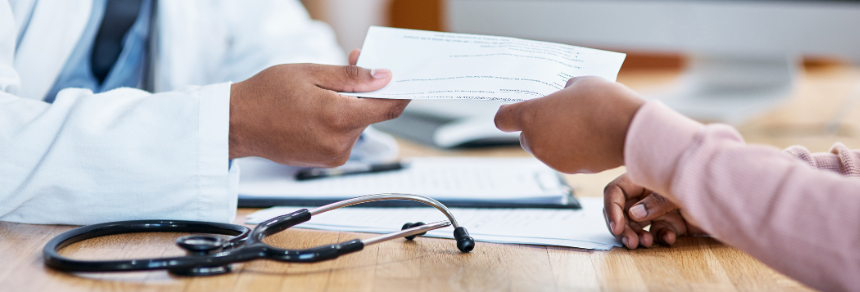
(350, 18)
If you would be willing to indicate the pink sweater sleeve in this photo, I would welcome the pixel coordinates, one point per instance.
(799, 220)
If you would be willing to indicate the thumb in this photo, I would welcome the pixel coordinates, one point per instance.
(651, 207)
(353, 56)
(350, 78)
(508, 118)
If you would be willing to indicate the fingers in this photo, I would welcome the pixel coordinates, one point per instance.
(646, 239)
(629, 237)
(615, 197)
(374, 110)
(349, 78)
(613, 208)
(353, 57)
(509, 117)
(665, 229)
(360, 112)
(651, 207)
(619, 195)
(634, 235)
(613, 212)
(663, 234)
(644, 208)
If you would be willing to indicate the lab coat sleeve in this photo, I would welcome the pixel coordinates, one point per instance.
(121, 155)
(270, 32)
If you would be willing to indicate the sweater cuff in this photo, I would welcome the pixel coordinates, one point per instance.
(656, 140)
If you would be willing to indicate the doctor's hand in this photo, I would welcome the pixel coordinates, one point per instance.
(629, 208)
(579, 129)
(292, 114)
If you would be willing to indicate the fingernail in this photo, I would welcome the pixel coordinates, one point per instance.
(666, 237)
(569, 82)
(612, 227)
(638, 211)
(380, 73)
(624, 241)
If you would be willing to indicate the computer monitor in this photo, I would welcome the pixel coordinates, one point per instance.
(743, 54)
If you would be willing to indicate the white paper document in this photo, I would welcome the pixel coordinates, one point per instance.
(584, 228)
(439, 65)
(524, 180)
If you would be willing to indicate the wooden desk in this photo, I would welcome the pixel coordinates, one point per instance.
(435, 265)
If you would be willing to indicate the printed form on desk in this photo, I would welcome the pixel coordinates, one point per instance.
(439, 65)
(511, 180)
(584, 228)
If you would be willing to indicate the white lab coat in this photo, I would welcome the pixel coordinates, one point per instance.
(128, 154)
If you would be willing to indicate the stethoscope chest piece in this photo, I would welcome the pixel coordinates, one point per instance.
(200, 245)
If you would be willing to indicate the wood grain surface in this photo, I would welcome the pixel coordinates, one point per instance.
(428, 264)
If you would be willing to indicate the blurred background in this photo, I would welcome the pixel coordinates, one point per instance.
(351, 18)
(782, 71)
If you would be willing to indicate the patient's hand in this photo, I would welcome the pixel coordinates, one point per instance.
(578, 129)
(629, 208)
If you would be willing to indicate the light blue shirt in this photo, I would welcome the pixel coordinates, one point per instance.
(128, 71)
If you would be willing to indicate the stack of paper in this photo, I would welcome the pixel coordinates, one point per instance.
(584, 228)
(439, 65)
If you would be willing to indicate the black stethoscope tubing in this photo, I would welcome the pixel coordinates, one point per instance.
(209, 255)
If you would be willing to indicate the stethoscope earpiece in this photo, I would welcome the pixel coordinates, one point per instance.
(465, 243)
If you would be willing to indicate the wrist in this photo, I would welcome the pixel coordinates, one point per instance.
(237, 147)
(656, 140)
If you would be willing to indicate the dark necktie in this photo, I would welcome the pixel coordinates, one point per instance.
(118, 18)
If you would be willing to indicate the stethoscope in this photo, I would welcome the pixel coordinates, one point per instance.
(212, 255)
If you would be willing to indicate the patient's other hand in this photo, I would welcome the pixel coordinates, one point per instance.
(629, 208)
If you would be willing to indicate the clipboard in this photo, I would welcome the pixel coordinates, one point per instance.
(266, 202)
(470, 182)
